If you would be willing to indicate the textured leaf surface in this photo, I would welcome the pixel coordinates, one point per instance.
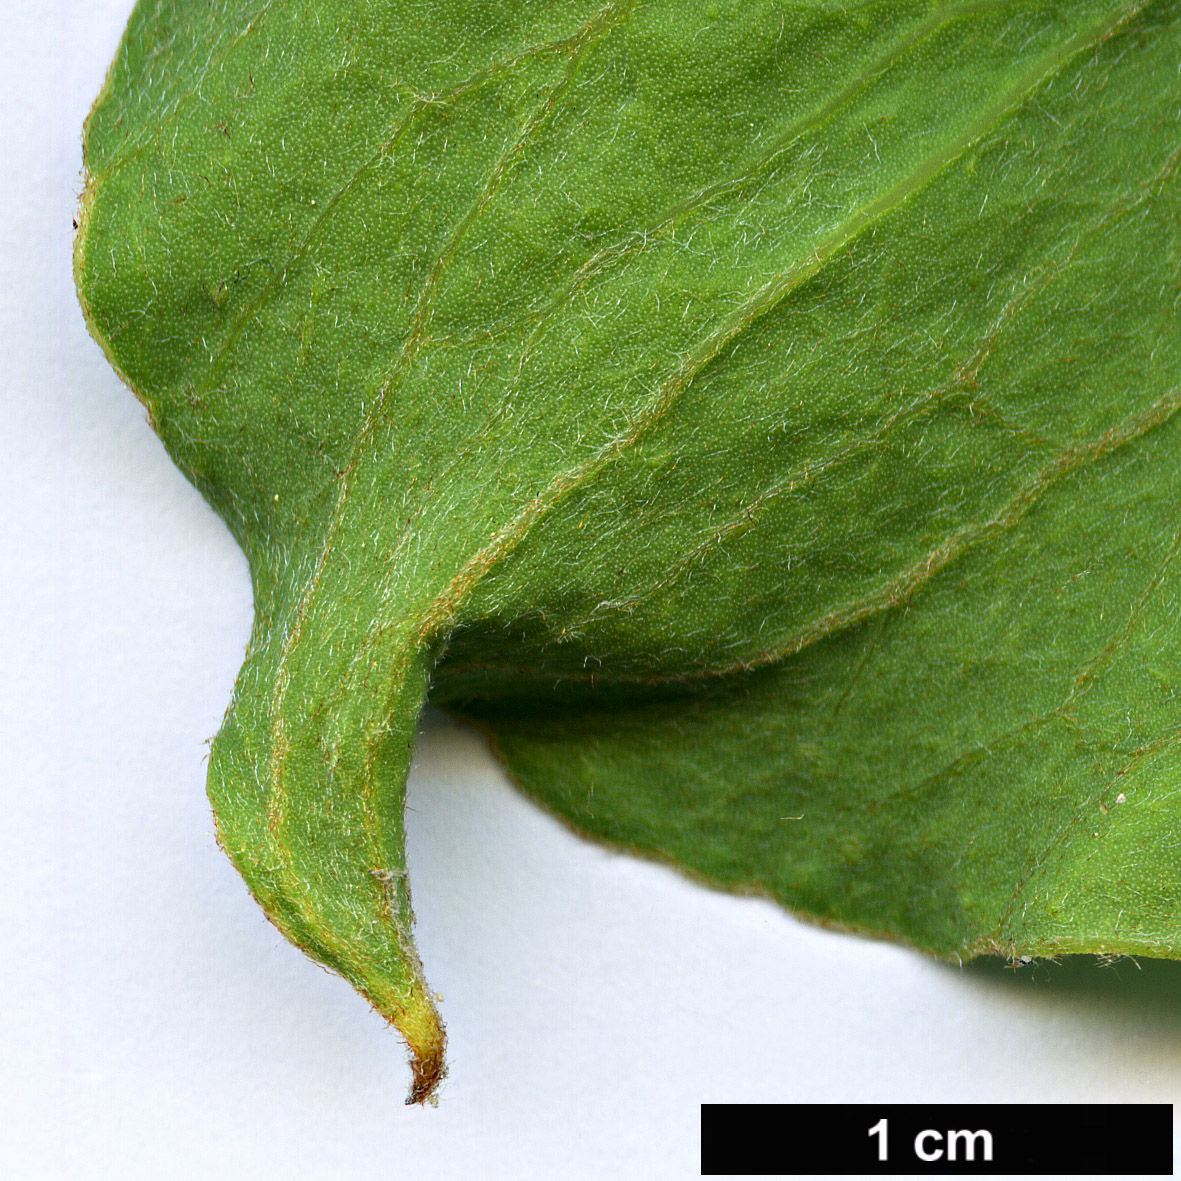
(761, 418)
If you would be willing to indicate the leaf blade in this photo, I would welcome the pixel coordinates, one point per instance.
(603, 355)
(965, 788)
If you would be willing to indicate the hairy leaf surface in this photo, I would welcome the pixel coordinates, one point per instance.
(761, 418)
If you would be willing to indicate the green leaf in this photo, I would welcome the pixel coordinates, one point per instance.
(761, 418)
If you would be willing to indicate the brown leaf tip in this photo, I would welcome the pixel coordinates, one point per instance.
(429, 1072)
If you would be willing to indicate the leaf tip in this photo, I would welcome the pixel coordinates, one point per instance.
(419, 1023)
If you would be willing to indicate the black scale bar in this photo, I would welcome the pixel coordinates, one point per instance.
(946, 1140)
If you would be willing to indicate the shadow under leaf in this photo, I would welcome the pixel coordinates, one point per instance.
(1151, 987)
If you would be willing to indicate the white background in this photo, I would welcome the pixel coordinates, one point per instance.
(153, 1024)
